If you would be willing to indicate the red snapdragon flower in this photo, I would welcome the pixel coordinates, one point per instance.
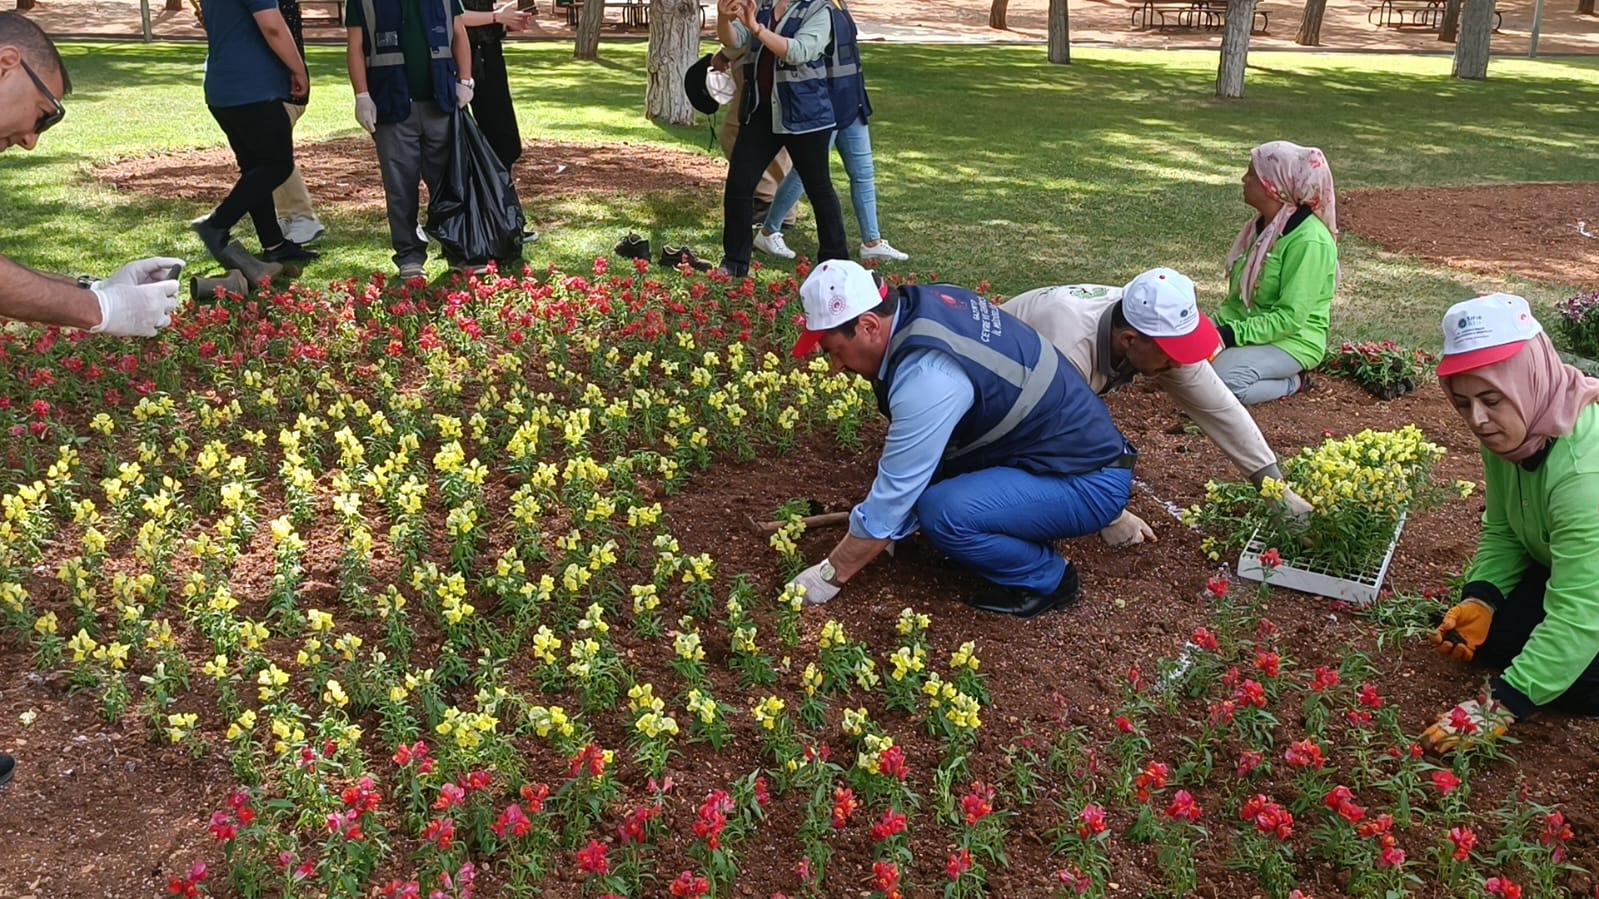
(977, 804)
(959, 863)
(1248, 761)
(1074, 880)
(891, 763)
(512, 819)
(1445, 782)
(1268, 817)
(689, 885)
(1369, 697)
(711, 818)
(1502, 886)
(844, 805)
(1270, 559)
(1304, 754)
(1091, 821)
(1183, 807)
(1218, 586)
(440, 832)
(1464, 839)
(890, 825)
(1267, 662)
(1152, 778)
(885, 879)
(591, 859)
(1204, 639)
(1324, 679)
(534, 795)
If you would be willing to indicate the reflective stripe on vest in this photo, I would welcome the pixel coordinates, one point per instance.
(1033, 384)
(375, 59)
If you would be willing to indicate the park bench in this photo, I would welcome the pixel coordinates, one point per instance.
(635, 13)
(1209, 15)
(1424, 14)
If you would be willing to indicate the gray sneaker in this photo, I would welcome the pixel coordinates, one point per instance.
(412, 270)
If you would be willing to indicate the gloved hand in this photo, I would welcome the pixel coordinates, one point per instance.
(817, 589)
(1298, 510)
(463, 94)
(1463, 629)
(1128, 529)
(144, 271)
(135, 310)
(1471, 722)
(366, 112)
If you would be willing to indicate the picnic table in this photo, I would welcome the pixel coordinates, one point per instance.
(635, 13)
(1427, 15)
(1208, 15)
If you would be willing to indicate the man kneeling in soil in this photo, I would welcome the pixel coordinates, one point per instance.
(1152, 327)
(995, 448)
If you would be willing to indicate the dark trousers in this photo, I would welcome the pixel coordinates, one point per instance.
(1513, 623)
(491, 102)
(263, 143)
(752, 153)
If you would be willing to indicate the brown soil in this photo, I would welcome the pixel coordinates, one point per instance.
(343, 173)
(98, 810)
(1528, 229)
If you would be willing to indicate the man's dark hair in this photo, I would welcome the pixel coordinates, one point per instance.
(1118, 318)
(17, 30)
(885, 309)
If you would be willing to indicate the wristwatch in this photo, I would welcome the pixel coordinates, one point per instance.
(828, 572)
(86, 281)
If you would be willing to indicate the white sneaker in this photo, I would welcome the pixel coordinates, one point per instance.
(773, 245)
(882, 250)
(301, 229)
(421, 234)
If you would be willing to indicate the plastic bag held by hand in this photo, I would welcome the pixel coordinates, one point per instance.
(475, 214)
(1128, 529)
(1471, 722)
(817, 589)
(1463, 630)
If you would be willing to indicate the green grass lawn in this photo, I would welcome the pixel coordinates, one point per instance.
(992, 165)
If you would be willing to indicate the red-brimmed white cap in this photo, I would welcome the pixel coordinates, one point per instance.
(1485, 330)
(835, 292)
(1160, 305)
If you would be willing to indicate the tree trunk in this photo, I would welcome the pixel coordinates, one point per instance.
(1310, 26)
(24, 5)
(1476, 29)
(589, 20)
(1060, 33)
(1584, 7)
(674, 46)
(177, 6)
(1234, 49)
(996, 14)
(1449, 26)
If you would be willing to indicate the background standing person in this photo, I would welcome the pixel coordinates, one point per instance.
(405, 68)
(786, 105)
(1531, 598)
(138, 300)
(252, 69)
(486, 26)
(292, 199)
(727, 136)
(851, 109)
(1282, 271)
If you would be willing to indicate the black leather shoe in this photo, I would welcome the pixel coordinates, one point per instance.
(672, 257)
(8, 766)
(633, 247)
(214, 238)
(1026, 603)
(289, 251)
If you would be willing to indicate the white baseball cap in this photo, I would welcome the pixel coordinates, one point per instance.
(1485, 330)
(835, 292)
(1160, 305)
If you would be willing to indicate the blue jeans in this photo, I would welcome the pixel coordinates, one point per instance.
(1002, 522)
(854, 145)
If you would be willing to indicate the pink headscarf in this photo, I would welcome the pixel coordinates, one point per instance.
(1548, 393)
(1293, 176)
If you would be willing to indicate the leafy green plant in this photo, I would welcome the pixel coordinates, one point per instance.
(1386, 369)
(1577, 323)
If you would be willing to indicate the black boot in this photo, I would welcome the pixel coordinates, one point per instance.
(633, 247)
(1026, 603)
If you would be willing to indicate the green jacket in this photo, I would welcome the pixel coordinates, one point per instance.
(1292, 303)
(1529, 520)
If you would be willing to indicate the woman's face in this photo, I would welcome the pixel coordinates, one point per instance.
(1489, 413)
(1254, 191)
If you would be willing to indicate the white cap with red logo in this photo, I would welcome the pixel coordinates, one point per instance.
(1160, 305)
(1485, 330)
(835, 292)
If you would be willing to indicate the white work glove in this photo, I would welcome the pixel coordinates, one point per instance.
(814, 582)
(134, 310)
(463, 93)
(144, 271)
(1296, 507)
(366, 112)
(1128, 529)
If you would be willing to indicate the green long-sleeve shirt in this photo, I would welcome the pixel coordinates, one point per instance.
(1291, 306)
(1549, 515)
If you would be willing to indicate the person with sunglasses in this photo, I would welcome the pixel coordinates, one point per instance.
(138, 300)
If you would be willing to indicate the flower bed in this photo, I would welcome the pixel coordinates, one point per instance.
(1577, 324)
(1385, 369)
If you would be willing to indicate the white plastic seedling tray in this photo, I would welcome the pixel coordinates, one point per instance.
(1360, 589)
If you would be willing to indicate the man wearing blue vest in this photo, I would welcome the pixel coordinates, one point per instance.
(405, 58)
(995, 448)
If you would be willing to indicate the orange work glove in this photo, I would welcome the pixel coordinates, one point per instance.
(1463, 629)
(1471, 722)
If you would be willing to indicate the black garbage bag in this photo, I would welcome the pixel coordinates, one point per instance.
(475, 215)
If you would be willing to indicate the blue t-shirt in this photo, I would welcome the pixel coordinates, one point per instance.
(239, 66)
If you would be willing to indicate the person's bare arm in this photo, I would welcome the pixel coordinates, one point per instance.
(30, 296)
(276, 32)
(853, 554)
(355, 58)
(461, 49)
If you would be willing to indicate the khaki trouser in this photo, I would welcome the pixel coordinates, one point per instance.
(292, 199)
(727, 135)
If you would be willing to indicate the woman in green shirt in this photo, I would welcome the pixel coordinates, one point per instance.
(1531, 599)
(1282, 270)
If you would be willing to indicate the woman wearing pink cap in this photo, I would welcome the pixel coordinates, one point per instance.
(1282, 270)
(1531, 599)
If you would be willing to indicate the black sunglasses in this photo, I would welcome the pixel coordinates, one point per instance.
(48, 119)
